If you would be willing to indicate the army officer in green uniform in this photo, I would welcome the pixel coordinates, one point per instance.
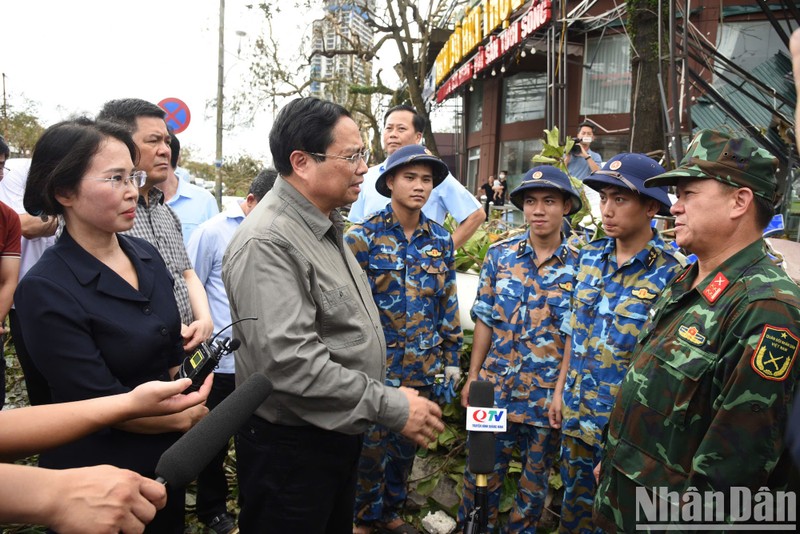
(703, 407)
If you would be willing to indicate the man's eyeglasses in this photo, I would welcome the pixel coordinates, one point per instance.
(136, 178)
(353, 160)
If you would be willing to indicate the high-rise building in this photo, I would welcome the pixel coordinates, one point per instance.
(343, 29)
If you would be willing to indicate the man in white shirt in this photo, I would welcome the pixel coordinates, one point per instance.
(191, 203)
(402, 126)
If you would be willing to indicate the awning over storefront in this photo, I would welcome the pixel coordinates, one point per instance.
(757, 109)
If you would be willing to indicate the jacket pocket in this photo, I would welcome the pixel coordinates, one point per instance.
(342, 321)
(434, 278)
(675, 380)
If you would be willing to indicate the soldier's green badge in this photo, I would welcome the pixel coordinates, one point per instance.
(775, 353)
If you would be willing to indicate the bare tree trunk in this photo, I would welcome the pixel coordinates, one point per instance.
(647, 116)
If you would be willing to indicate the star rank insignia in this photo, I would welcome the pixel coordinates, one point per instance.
(773, 356)
(713, 290)
(643, 294)
(566, 286)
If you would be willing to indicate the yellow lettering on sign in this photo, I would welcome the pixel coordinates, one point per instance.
(471, 30)
(475, 26)
(455, 44)
(504, 10)
(491, 16)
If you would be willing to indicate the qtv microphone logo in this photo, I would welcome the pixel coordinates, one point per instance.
(486, 419)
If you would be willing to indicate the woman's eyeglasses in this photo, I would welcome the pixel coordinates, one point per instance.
(136, 178)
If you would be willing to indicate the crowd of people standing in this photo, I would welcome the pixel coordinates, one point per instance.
(618, 363)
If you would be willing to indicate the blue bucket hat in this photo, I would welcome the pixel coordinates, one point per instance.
(546, 177)
(407, 155)
(630, 171)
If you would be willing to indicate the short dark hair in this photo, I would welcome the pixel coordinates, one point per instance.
(418, 121)
(262, 183)
(61, 157)
(303, 124)
(125, 111)
(587, 124)
(765, 211)
(175, 148)
(4, 150)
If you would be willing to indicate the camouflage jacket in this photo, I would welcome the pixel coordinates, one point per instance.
(414, 286)
(524, 306)
(609, 307)
(705, 403)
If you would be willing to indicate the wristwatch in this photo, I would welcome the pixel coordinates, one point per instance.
(587, 157)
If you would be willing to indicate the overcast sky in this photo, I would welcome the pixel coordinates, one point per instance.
(71, 57)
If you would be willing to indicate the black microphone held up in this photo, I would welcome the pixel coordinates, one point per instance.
(481, 444)
(183, 461)
(481, 458)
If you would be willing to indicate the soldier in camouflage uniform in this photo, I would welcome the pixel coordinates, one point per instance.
(523, 296)
(704, 405)
(617, 280)
(409, 260)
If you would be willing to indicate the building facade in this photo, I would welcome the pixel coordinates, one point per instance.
(343, 28)
(521, 67)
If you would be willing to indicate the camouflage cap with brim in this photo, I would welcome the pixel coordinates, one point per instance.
(734, 161)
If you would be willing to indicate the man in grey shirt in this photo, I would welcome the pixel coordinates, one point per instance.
(318, 336)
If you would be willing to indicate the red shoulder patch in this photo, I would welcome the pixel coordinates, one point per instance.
(713, 291)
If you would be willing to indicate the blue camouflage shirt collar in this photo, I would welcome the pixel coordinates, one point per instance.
(524, 247)
(647, 256)
(387, 214)
(716, 283)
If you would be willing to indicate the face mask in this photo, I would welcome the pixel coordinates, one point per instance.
(586, 140)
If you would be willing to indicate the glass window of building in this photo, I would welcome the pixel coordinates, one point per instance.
(475, 111)
(606, 84)
(515, 157)
(525, 95)
(473, 162)
(748, 43)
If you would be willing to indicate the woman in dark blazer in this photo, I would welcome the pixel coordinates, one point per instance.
(97, 311)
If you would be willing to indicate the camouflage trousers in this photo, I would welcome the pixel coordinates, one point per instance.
(386, 461)
(538, 447)
(578, 460)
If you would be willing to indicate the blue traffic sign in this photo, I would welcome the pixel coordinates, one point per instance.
(178, 115)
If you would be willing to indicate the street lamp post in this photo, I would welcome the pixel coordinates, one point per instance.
(220, 98)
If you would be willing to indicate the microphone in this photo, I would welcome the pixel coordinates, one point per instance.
(481, 444)
(182, 462)
(481, 459)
